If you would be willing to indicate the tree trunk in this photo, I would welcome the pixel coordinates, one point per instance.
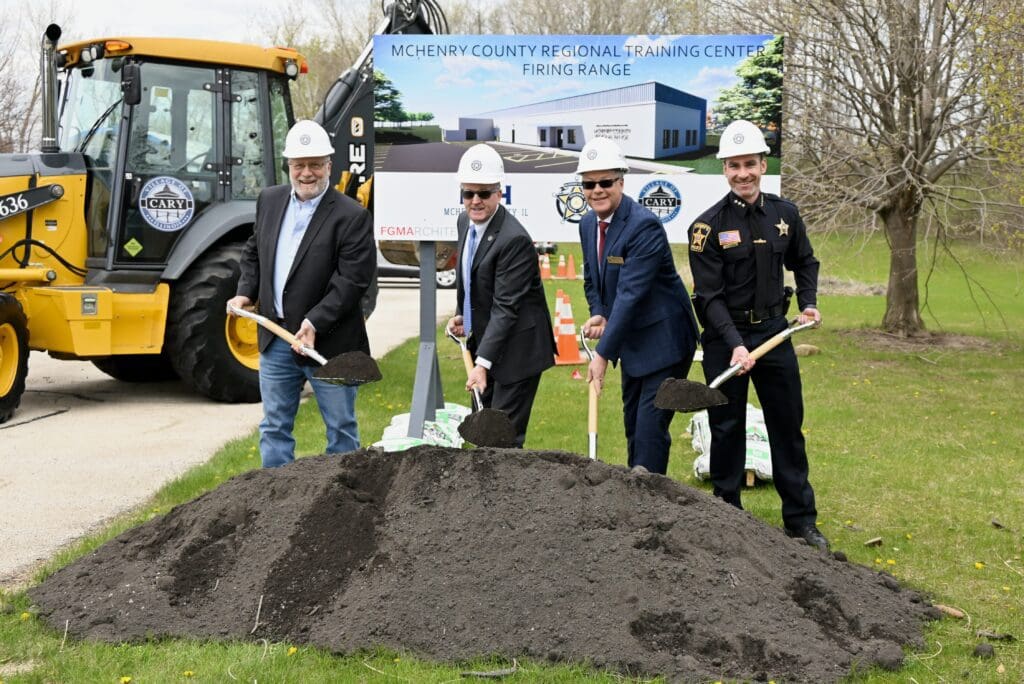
(902, 315)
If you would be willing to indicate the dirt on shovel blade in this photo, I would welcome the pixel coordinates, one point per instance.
(449, 554)
(350, 368)
(677, 394)
(488, 428)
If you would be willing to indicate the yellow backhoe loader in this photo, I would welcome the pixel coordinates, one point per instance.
(119, 239)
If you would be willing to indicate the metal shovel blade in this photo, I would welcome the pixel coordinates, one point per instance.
(488, 428)
(350, 368)
(686, 396)
(484, 427)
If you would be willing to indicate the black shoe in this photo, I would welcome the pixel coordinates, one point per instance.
(811, 535)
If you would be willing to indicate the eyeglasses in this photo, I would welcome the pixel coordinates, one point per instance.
(604, 183)
(482, 194)
(312, 166)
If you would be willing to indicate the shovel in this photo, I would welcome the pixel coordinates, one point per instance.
(591, 407)
(686, 396)
(350, 368)
(484, 427)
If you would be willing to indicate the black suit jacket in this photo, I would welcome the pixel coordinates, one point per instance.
(511, 321)
(331, 272)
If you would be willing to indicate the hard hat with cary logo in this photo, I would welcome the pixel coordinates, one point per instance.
(601, 154)
(481, 165)
(307, 139)
(740, 138)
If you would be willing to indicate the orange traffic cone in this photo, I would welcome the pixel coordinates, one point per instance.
(545, 268)
(559, 296)
(568, 349)
(561, 266)
(570, 269)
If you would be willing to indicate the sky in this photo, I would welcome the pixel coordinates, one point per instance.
(232, 20)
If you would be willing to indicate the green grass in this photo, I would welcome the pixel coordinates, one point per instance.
(711, 165)
(921, 448)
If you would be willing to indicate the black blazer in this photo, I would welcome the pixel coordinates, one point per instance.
(511, 321)
(331, 272)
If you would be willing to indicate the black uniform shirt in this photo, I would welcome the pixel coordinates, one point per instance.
(725, 269)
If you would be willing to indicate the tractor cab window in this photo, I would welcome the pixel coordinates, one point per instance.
(249, 167)
(171, 161)
(280, 116)
(90, 124)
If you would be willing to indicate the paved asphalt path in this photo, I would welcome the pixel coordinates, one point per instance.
(84, 448)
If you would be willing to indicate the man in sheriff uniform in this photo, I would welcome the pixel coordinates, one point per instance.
(738, 249)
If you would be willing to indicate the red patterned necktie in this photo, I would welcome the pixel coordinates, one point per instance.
(602, 229)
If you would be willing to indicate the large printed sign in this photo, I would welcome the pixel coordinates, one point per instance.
(538, 100)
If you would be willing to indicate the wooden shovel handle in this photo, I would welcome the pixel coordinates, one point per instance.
(779, 338)
(772, 342)
(467, 360)
(265, 322)
(273, 327)
(592, 409)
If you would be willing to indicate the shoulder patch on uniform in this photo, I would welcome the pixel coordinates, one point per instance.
(699, 236)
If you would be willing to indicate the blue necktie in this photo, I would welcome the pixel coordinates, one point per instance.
(467, 303)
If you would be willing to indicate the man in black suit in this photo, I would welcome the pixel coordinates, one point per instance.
(501, 307)
(308, 263)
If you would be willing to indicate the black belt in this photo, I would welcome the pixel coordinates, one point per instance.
(753, 317)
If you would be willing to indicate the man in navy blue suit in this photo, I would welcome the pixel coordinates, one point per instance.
(639, 308)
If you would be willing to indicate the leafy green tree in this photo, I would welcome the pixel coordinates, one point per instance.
(758, 95)
(387, 105)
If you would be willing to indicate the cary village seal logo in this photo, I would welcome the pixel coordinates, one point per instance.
(476, 165)
(166, 204)
(662, 198)
(304, 139)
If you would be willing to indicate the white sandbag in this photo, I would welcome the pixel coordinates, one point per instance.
(759, 454)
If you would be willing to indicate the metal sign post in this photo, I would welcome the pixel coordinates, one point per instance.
(427, 394)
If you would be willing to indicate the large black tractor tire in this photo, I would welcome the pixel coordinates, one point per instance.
(13, 355)
(214, 355)
(137, 367)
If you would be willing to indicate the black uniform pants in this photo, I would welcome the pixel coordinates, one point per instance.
(776, 378)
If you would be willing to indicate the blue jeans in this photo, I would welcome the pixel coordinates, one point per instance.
(281, 381)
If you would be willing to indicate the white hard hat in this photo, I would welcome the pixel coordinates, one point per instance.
(307, 139)
(601, 154)
(481, 165)
(740, 138)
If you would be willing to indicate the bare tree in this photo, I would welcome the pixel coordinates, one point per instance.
(19, 85)
(602, 17)
(1000, 53)
(883, 103)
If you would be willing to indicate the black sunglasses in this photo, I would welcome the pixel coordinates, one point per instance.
(482, 194)
(604, 183)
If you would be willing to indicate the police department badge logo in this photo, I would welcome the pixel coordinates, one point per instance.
(166, 204)
(570, 202)
(699, 236)
(662, 198)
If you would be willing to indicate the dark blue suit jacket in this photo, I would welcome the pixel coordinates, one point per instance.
(639, 292)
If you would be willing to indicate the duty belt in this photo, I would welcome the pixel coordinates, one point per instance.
(753, 317)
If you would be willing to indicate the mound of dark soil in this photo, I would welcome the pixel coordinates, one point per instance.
(451, 554)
